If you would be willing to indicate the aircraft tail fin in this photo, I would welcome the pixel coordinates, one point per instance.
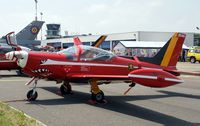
(169, 53)
(99, 41)
(30, 31)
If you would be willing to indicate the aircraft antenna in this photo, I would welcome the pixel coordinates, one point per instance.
(36, 9)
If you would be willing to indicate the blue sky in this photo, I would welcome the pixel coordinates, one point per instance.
(103, 16)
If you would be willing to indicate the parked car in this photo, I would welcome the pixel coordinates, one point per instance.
(194, 54)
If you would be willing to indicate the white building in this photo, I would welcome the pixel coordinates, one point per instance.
(140, 48)
(113, 39)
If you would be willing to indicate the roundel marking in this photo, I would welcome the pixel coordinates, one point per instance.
(34, 30)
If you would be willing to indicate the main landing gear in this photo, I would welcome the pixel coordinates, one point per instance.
(32, 94)
(97, 95)
(66, 88)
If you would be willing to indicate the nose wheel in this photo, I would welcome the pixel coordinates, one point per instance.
(32, 95)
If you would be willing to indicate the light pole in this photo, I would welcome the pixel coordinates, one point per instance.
(36, 9)
(41, 14)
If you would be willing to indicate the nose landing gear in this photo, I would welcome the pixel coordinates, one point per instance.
(32, 94)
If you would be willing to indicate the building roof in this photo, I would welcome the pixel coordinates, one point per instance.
(145, 44)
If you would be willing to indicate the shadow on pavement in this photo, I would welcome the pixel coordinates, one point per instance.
(119, 104)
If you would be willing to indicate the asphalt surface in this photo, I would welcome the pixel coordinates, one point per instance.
(173, 106)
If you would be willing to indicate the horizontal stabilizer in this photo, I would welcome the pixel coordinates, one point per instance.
(153, 78)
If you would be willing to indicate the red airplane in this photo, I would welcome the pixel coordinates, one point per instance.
(7, 47)
(96, 66)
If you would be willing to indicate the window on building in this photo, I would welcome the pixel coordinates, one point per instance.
(105, 45)
(56, 45)
(196, 39)
(86, 43)
(66, 45)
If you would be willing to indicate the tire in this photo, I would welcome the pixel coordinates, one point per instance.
(192, 59)
(31, 96)
(99, 97)
(64, 90)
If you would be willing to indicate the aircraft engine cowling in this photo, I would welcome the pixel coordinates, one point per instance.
(153, 78)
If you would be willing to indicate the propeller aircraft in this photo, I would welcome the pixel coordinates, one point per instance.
(90, 64)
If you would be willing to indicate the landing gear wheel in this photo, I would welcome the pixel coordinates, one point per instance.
(31, 96)
(192, 59)
(99, 97)
(65, 89)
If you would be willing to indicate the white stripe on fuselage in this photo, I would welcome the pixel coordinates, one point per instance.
(142, 76)
(53, 62)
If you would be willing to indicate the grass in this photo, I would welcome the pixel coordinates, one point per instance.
(11, 117)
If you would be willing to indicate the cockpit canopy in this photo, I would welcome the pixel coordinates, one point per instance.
(87, 53)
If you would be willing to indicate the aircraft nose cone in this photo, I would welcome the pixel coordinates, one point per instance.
(20, 56)
(10, 55)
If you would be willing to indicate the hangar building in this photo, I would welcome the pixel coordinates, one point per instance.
(112, 40)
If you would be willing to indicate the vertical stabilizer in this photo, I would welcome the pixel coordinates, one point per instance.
(30, 31)
(99, 41)
(173, 50)
(169, 53)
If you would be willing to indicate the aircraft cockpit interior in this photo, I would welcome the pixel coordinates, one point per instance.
(87, 53)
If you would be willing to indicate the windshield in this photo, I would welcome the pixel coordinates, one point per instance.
(69, 51)
(87, 53)
(197, 51)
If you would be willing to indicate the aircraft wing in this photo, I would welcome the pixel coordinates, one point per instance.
(184, 72)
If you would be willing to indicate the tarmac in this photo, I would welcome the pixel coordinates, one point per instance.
(177, 105)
